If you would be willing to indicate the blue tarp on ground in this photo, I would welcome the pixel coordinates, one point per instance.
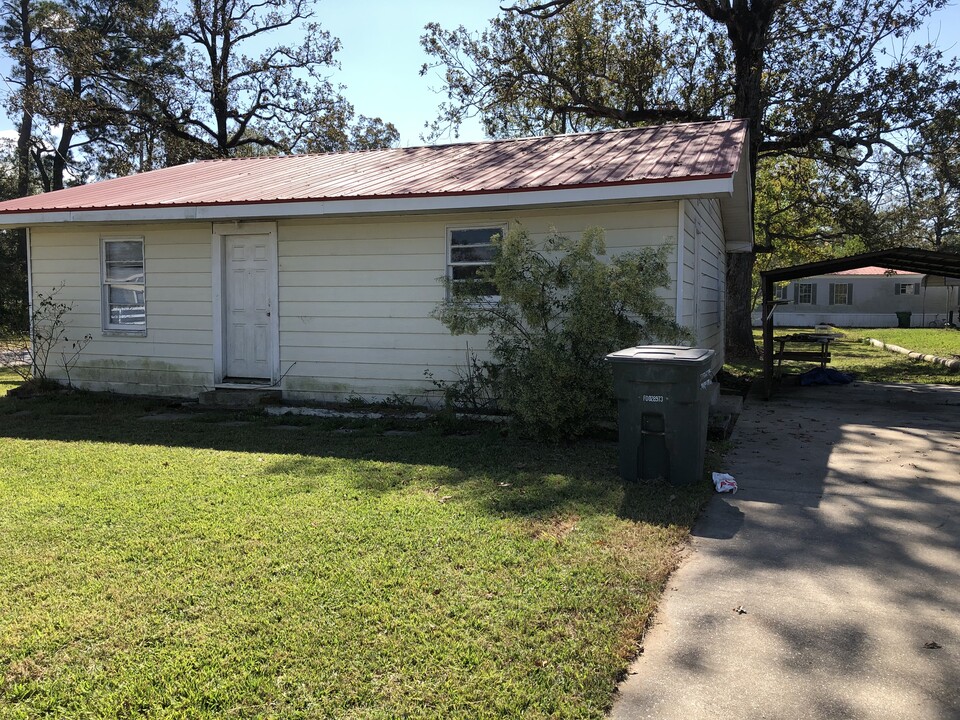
(825, 376)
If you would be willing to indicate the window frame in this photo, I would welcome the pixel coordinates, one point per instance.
(811, 289)
(108, 327)
(906, 288)
(846, 289)
(502, 229)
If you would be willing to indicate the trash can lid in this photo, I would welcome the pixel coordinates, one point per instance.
(671, 354)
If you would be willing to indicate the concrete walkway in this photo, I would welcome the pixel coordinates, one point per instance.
(842, 548)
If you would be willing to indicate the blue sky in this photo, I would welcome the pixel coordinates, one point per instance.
(381, 58)
(381, 55)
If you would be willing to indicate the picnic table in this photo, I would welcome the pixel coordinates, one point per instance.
(805, 341)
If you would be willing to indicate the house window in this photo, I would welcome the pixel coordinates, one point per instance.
(841, 293)
(805, 293)
(780, 291)
(124, 308)
(471, 250)
(906, 289)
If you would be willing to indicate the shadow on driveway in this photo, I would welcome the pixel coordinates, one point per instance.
(814, 590)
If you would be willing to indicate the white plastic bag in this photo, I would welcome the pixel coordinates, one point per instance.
(724, 483)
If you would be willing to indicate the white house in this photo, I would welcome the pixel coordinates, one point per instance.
(318, 273)
(865, 297)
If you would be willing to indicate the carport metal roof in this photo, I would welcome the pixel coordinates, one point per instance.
(927, 262)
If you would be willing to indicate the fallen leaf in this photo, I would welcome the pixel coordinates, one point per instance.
(445, 498)
(740, 610)
(932, 646)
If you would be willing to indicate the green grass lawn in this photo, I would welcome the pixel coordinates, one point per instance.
(942, 342)
(237, 566)
(873, 364)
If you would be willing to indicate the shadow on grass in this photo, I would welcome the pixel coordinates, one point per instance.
(866, 362)
(504, 476)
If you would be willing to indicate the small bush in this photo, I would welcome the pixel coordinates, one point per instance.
(474, 388)
(559, 311)
(48, 325)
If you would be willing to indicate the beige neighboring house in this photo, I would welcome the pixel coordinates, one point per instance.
(865, 297)
(318, 273)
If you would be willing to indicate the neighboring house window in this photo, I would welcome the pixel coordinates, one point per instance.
(780, 291)
(123, 285)
(805, 293)
(906, 289)
(841, 293)
(470, 250)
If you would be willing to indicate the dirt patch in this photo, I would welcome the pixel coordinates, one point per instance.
(27, 669)
(555, 528)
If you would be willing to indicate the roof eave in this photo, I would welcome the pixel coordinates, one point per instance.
(737, 207)
(723, 186)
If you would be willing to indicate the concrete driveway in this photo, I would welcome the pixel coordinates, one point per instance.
(842, 552)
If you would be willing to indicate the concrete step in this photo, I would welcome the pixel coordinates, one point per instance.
(723, 416)
(241, 397)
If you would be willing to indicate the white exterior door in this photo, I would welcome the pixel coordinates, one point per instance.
(248, 306)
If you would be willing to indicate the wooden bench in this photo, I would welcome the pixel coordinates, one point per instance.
(821, 356)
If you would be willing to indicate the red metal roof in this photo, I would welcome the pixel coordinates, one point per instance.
(868, 271)
(666, 153)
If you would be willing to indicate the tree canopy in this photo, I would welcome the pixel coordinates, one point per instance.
(843, 85)
(224, 100)
(109, 87)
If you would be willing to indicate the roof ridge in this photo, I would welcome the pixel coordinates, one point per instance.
(472, 143)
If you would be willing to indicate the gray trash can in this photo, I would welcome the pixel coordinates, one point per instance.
(663, 396)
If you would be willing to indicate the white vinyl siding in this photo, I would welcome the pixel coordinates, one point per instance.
(356, 294)
(704, 274)
(355, 297)
(175, 357)
(871, 302)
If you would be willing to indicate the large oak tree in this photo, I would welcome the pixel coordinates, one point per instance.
(238, 94)
(832, 82)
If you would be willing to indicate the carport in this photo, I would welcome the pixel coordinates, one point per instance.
(927, 262)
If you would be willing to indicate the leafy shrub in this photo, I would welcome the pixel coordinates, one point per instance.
(560, 309)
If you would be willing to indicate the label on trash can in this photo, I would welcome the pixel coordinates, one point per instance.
(654, 398)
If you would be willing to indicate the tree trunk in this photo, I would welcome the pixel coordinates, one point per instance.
(748, 26)
(24, 136)
(60, 158)
(27, 95)
(739, 301)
